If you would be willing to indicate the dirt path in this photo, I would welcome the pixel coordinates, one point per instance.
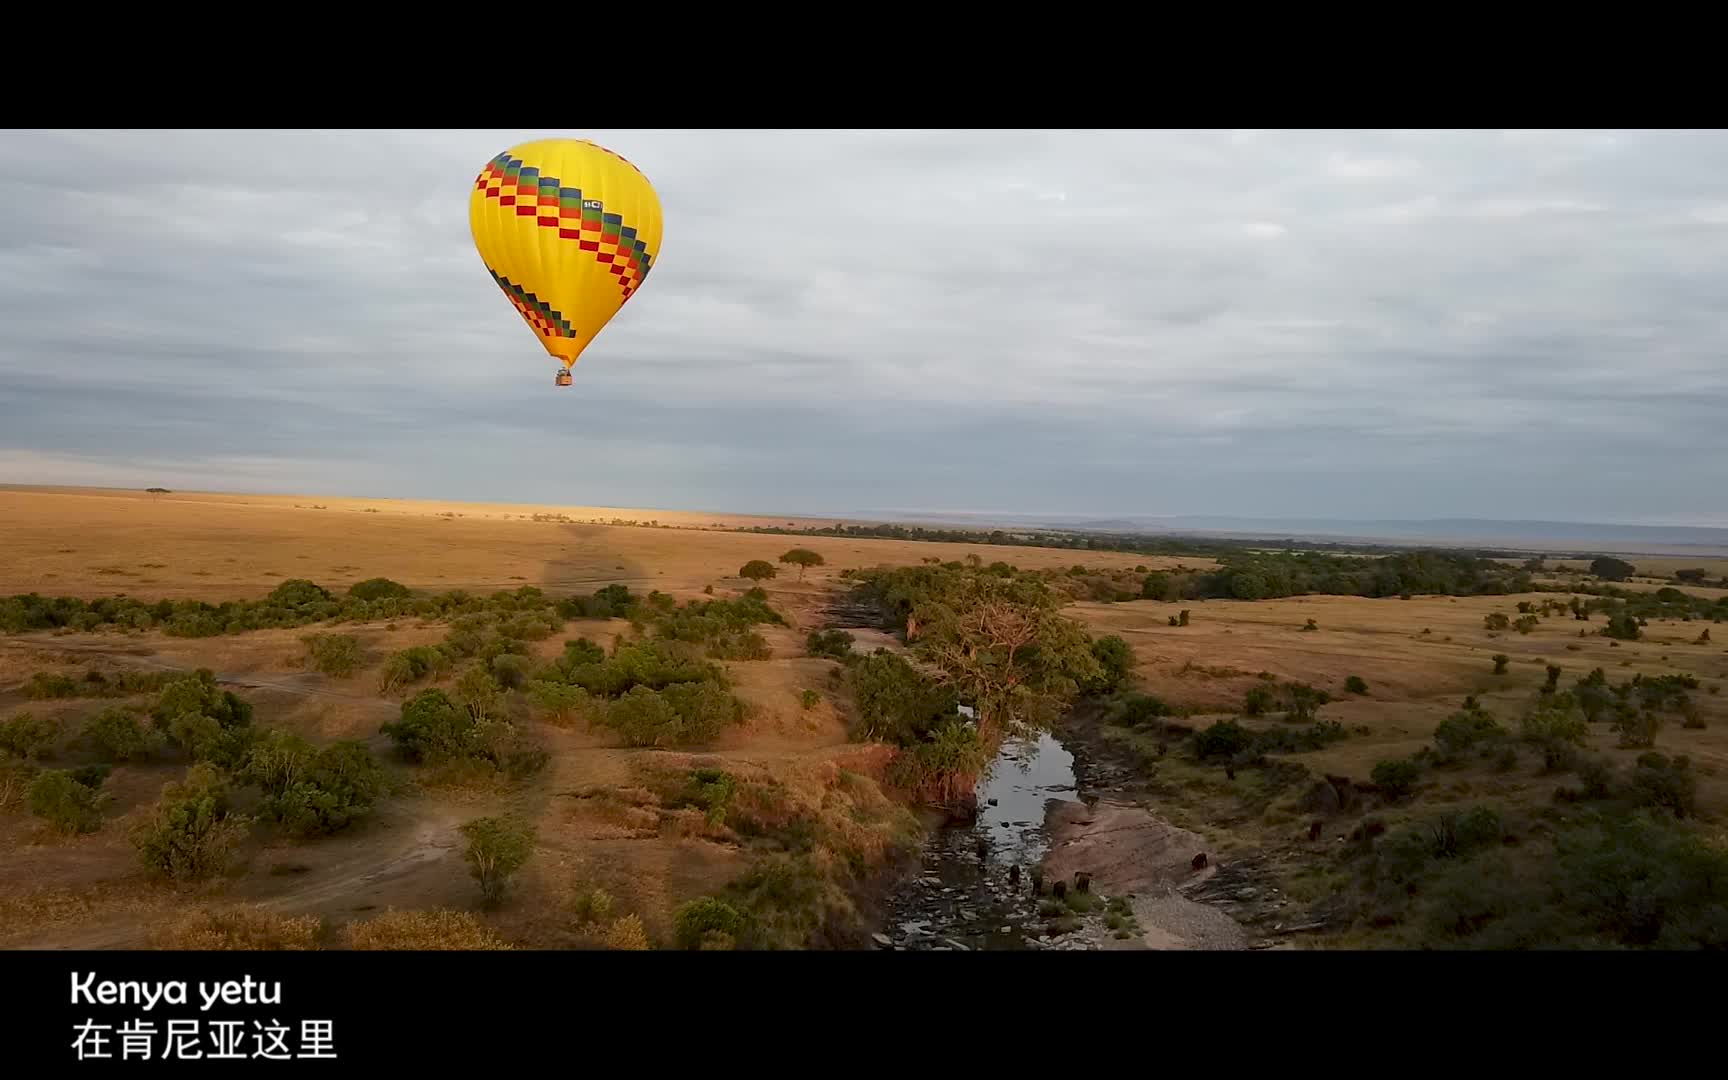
(409, 859)
(305, 684)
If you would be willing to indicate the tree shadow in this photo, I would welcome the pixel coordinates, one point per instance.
(589, 559)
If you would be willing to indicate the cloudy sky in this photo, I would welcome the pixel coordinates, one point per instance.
(1259, 323)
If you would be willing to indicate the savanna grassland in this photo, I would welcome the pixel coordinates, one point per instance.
(1475, 771)
(244, 722)
(361, 723)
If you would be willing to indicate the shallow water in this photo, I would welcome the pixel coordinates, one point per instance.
(964, 896)
(1016, 794)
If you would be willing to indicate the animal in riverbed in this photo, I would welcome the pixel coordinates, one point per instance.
(1059, 889)
(983, 848)
(1014, 875)
(1037, 881)
(1199, 862)
(1082, 881)
(1314, 830)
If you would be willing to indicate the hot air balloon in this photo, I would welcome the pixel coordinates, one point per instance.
(568, 230)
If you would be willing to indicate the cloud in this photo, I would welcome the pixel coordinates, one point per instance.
(1346, 166)
(1368, 324)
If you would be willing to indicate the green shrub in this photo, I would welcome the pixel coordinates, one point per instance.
(1136, 710)
(205, 739)
(1469, 727)
(26, 736)
(1622, 627)
(529, 626)
(581, 651)
(193, 832)
(506, 748)
(1355, 685)
(1224, 739)
(413, 664)
(478, 692)
(497, 848)
(336, 787)
(831, 643)
(1116, 663)
(1397, 778)
(699, 922)
(44, 685)
(561, 701)
(712, 790)
(592, 907)
(1615, 882)
(70, 806)
(333, 654)
(895, 702)
(1480, 827)
(199, 693)
(1664, 783)
(432, 728)
(682, 713)
(758, 570)
(511, 671)
(379, 588)
(92, 776)
(643, 718)
(1556, 725)
(748, 645)
(119, 735)
(1637, 728)
(809, 699)
(942, 764)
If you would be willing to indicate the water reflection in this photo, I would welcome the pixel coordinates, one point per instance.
(1013, 798)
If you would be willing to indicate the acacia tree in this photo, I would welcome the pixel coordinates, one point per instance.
(757, 570)
(1611, 569)
(1004, 645)
(803, 559)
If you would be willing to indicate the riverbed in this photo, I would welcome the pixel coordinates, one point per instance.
(967, 895)
(1041, 807)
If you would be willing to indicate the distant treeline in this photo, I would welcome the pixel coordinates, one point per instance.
(1262, 576)
(296, 602)
(1129, 543)
(1407, 574)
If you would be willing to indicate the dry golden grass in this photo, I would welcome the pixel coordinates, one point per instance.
(34, 912)
(447, 931)
(216, 547)
(624, 935)
(244, 929)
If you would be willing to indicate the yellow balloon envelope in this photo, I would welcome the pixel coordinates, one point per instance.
(569, 231)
